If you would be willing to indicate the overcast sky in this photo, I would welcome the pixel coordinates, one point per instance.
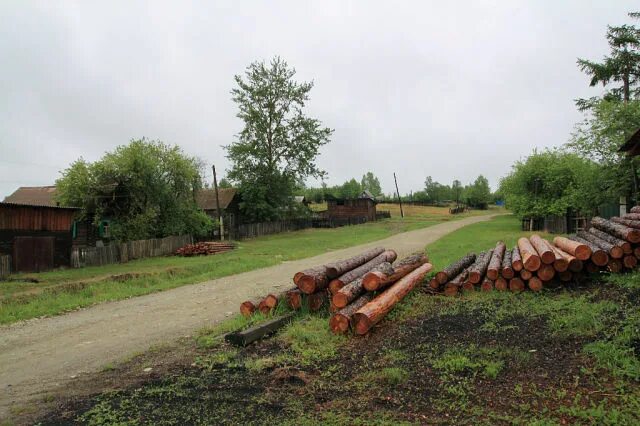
(447, 89)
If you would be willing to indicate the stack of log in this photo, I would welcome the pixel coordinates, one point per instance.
(608, 245)
(205, 248)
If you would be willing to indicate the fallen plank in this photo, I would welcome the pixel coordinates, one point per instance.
(250, 335)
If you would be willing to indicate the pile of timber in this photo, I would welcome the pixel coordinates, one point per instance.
(607, 246)
(205, 248)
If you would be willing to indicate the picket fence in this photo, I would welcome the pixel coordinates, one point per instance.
(122, 253)
(5, 266)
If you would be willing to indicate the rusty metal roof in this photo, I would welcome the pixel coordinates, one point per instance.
(206, 198)
(43, 196)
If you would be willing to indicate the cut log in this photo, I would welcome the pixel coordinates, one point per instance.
(598, 256)
(561, 263)
(502, 284)
(545, 273)
(487, 284)
(268, 303)
(635, 209)
(631, 223)
(294, 299)
(434, 284)
(371, 313)
(479, 268)
(535, 284)
(506, 269)
(516, 260)
(248, 307)
(591, 267)
(574, 248)
(617, 242)
(317, 300)
(613, 251)
(451, 271)
(530, 258)
(630, 261)
(348, 293)
(516, 285)
(340, 321)
(526, 274)
(574, 264)
(313, 280)
(632, 216)
(614, 265)
(354, 274)
(453, 286)
(543, 248)
(565, 276)
(250, 335)
(624, 232)
(468, 286)
(495, 263)
(333, 308)
(297, 277)
(636, 252)
(379, 277)
(341, 267)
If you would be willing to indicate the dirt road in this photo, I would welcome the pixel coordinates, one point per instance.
(40, 357)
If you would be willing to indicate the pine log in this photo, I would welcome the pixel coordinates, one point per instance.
(479, 268)
(516, 260)
(624, 232)
(574, 248)
(468, 286)
(371, 313)
(632, 216)
(297, 277)
(635, 209)
(535, 284)
(631, 223)
(506, 269)
(434, 284)
(614, 265)
(341, 267)
(348, 293)
(526, 274)
(613, 251)
(530, 258)
(624, 245)
(248, 307)
(543, 248)
(545, 273)
(487, 284)
(630, 261)
(385, 269)
(516, 285)
(332, 308)
(313, 280)
(591, 267)
(268, 303)
(561, 263)
(451, 271)
(379, 278)
(574, 264)
(598, 256)
(342, 280)
(502, 284)
(250, 335)
(495, 263)
(317, 300)
(565, 276)
(453, 286)
(340, 320)
(294, 299)
(636, 252)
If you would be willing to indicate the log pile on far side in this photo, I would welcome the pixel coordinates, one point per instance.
(205, 248)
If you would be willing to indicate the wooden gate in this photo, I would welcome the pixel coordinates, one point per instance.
(33, 254)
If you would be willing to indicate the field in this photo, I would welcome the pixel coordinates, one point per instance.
(569, 355)
(50, 293)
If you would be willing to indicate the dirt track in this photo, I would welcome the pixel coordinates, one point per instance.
(41, 357)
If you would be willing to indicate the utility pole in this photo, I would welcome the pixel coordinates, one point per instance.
(398, 192)
(215, 186)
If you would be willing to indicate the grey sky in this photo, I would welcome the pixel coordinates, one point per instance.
(447, 89)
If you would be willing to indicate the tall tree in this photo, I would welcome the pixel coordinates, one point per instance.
(456, 188)
(279, 144)
(371, 183)
(478, 194)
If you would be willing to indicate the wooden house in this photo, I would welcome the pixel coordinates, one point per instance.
(362, 209)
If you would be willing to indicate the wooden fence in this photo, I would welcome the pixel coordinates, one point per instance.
(122, 253)
(252, 230)
(5, 266)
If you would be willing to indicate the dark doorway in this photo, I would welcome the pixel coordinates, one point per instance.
(33, 254)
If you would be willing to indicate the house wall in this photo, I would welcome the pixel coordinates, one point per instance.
(62, 245)
(352, 209)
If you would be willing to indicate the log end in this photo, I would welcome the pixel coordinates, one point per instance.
(535, 284)
(362, 324)
(501, 284)
(339, 323)
(492, 274)
(561, 265)
(630, 261)
(372, 280)
(297, 277)
(340, 300)
(582, 252)
(468, 286)
(507, 273)
(576, 265)
(533, 263)
(600, 258)
(616, 252)
(307, 284)
(441, 277)
(633, 236)
(487, 285)
(516, 285)
(434, 284)
(450, 290)
(335, 286)
(475, 277)
(517, 265)
(548, 257)
(247, 308)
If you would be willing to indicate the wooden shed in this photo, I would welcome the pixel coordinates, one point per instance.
(362, 209)
(38, 238)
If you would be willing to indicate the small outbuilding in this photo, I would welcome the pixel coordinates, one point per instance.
(229, 203)
(354, 210)
(632, 145)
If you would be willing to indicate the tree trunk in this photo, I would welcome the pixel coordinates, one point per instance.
(625, 246)
(516, 260)
(561, 263)
(574, 248)
(371, 313)
(340, 320)
(543, 248)
(455, 268)
(630, 223)
(526, 275)
(620, 231)
(341, 267)
(349, 293)
(506, 269)
(535, 284)
(630, 261)
(479, 268)
(342, 280)
(379, 278)
(613, 251)
(598, 256)
(312, 280)
(487, 284)
(495, 263)
(516, 285)
(317, 300)
(545, 273)
(530, 258)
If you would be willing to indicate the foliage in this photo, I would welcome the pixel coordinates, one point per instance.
(371, 183)
(147, 188)
(550, 182)
(456, 190)
(478, 194)
(435, 191)
(279, 144)
(224, 183)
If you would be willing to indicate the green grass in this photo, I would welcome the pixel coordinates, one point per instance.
(64, 290)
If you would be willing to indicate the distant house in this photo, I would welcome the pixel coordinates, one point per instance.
(356, 210)
(301, 199)
(229, 199)
(38, 238)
